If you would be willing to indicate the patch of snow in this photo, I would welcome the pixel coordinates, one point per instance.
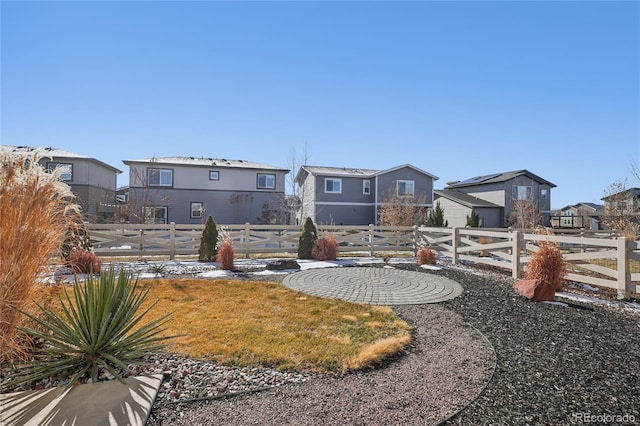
(587, 287)
(431, 267)
(215, 274)
(628, 306)
(548, 302)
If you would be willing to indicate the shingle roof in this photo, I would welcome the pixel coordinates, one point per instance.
(496, 178)
(463, 198)
(207, 162)
(355, 172)
(56, 153)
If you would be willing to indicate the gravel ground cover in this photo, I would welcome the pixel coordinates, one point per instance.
(555, 364)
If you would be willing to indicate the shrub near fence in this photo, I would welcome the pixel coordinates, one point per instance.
(594, 260)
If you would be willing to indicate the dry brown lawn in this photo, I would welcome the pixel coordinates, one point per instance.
(251, 323)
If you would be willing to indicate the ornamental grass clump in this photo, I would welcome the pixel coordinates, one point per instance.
(225, 251)
(547, 264)
(35, 212)
(97, 329)
(426, 256)
(83, 261)
(325, 248)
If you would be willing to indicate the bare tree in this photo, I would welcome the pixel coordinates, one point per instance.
(525, 215)
(297, 201)
(620, 209)
(143, 199)
(402, 210)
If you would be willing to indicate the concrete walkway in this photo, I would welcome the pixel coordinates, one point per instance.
(104, 403)
(375, 286)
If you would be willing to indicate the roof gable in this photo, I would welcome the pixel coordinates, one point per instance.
(354, 172)
(497, 178)
(49, 152)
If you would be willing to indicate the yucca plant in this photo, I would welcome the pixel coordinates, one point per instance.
(99, 328)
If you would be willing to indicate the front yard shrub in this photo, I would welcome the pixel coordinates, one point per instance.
(35, 207)
(547, 264)
(325, 248)
(307, 239)
(97, 329)
(426, 256)
(83, 261)
(225, 252)
(209, 242)
(77, 237)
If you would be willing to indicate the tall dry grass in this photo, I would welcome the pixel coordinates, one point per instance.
(34, 209)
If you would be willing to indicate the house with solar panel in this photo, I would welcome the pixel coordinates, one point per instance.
(493, 197)
(189, 189)
(92, 181)
(351, 196)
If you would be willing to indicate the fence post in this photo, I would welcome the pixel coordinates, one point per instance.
(455, 241)
(624, 277)
(415, 240)
(172, 241)
(515, 254)
(371, 240)
(247, 246)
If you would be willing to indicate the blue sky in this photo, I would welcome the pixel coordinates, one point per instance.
(457, 89)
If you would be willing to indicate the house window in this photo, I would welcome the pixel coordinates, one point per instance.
(160, 177)
(196, 210)
(333, 186)
(67, 174)
(214, 175)
(543, 194)
(266, 181)
(155, 215)
(521, 192)
(366, 187)
(405, 188)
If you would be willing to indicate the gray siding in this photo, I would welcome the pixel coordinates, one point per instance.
(226, 207)
(345, 214)
(234, 198)
(387, 182)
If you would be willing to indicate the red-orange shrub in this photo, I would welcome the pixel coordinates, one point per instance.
(325, 248)
(547, 264)
(426, 256)
(84, 262)
(225, 255)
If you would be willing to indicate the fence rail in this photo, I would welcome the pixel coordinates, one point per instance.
(592, 258)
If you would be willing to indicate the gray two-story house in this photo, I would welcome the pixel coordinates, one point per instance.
(189, 189)
(350, 196)
(495, 196)
(92, 181)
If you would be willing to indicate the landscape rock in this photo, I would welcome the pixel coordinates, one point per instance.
(282, 264)
(536, 290)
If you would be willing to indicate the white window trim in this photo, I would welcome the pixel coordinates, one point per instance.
(54, 165)
(326, 180)
(366, 187)
(161, 172)
(217, 173)
(271, 177)
(515, 192)
(405, 182)
(153, 210)
(197, 215)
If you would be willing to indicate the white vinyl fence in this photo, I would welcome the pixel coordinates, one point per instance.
(597, 259)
